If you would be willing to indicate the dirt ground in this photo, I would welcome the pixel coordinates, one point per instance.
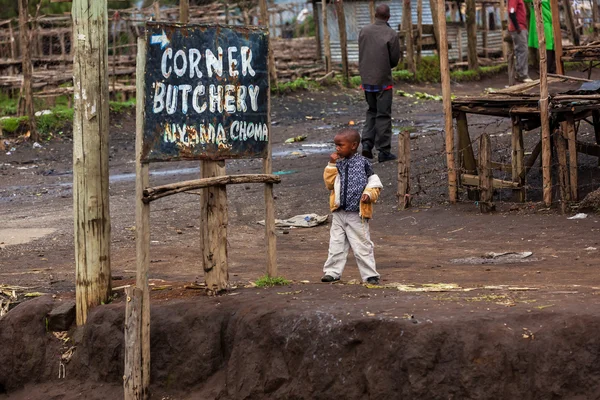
(431, 243)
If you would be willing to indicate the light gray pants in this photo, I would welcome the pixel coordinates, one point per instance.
(348, 229)
(521, 53)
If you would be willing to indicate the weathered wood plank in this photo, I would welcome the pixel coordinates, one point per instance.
(403, 193)
(132, 374)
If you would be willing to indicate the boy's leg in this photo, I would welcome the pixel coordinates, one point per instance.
(338, 246)
(359, 237)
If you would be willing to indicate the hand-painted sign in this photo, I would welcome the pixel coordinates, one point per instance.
(207, 90)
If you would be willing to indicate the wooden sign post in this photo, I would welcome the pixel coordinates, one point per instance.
(203, 94)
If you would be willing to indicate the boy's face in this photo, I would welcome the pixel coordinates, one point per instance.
(344, 147)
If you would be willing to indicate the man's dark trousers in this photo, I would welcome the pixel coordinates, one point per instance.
(377, 131)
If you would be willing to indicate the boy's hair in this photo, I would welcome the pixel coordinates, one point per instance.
(350, 134)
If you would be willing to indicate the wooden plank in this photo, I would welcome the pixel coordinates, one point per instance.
(472, 35)
(473, 180)
(465, 147)
(570, 135)
(142, 219)
(563, 174)
(544, 117)
(90, 157)
(341, 17)
(403, 193)
(132, 374)
(518, 153)
(326, 39)
(447, 98)
(486, 179)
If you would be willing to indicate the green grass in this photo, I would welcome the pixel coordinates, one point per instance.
(8, 106)
(267, 281)
(120, 106)
(295, 85)
(50, 123)
(12, 124)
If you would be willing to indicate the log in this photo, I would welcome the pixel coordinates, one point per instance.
(484, 169)
(142, 220)
(447, 98)
(132, 374)
(153, 193)
(544, 117)
(472, 35)
(403, 193)
(518, 154)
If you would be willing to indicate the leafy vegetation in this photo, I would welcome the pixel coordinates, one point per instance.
(12, 124)
(293, 86)
(120, 106)
(267, 281)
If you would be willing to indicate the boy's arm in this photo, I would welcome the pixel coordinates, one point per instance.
(373, 188)
(329, 175)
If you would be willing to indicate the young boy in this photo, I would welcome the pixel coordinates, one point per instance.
(354, 188)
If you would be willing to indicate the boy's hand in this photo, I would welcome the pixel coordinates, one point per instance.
(365, 198)
(333, 157)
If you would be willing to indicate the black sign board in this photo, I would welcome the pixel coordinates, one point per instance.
(206, 90)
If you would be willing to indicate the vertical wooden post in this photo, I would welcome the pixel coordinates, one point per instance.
(264, 16)
(503, 28)
(409, 43)
(465, 147)
(510, 60)
(557, 36)
(316, 19)
(90, 155)
(156, 6)
(518, 154)
(142, 219)
(63, 51)
(419, 30)
(114, 57)
(563, 175)
(433, 4)
(486, 179)
(132, 374)
(403, 170)
(569, 134)
(546, 151)
(570, 18)
(472, 35)
(484, 29)
(184, 11)
(594, 6)
(447, 99)
(372, 10)
(26, 97)
(326, 39)
(270, 238)
(596, 120)
(459, 43)
(339, 5)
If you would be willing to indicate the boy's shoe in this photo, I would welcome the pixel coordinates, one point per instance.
(373, 280)
(329, 279)
(367, 153)
(384, 156)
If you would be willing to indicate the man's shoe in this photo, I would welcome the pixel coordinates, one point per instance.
(329, 279)
(367, 153)
(385, 156)
(373, 280)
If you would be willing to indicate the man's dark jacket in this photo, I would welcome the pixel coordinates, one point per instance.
(378, 53)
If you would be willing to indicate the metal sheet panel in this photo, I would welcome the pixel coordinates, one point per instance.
(206, 92)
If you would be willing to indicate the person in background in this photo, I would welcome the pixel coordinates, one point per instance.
(378, 53)
(548, 33)
(517, 27)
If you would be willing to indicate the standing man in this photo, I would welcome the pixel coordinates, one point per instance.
(378, 53)
(518, 30)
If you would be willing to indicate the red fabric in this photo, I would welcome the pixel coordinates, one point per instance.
(517, 7)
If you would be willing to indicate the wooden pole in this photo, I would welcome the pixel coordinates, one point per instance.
(184, 11)
(433, 4)
(142, 218)
(459, 43)
(570, 135)
(264, 16)
(486, 179)
(409, 43)
(557, 36)
(326, 39)
(510, 59)
(596, 121)
(471, 35)
(13, 48)
(563, 174)
(419, 30)
(316, 19)
(484, 29)
(90, 155)
(465, 147)
(403, 170)
(518, 154)
(447, 99)
(594, 7)
(26, 98)
(270, 238)
(132, 374)
(372, 10)
(156, 6)
(544, 117)
(503, 28)
(570, 18)
(339, 5)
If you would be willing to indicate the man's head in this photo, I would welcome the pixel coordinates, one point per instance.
(382, 12)
(346, 142)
